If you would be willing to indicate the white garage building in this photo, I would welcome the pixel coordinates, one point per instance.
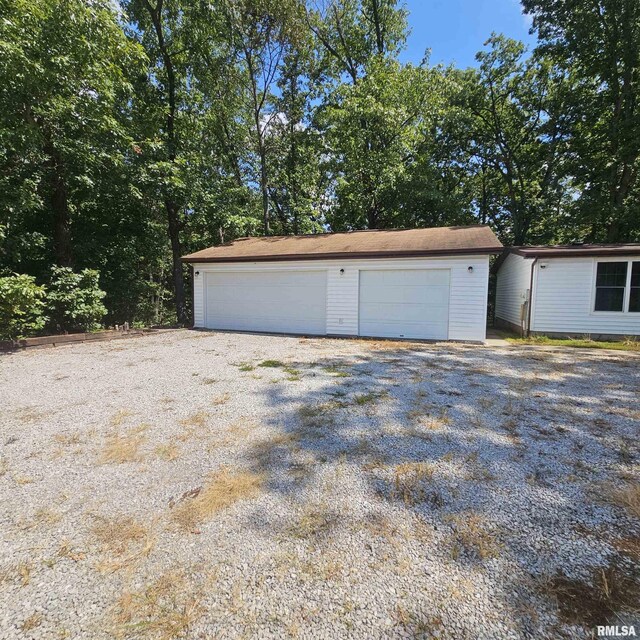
(418, 283)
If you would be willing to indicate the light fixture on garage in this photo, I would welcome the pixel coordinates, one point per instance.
(341, 272)
(470, 269)
(197, 273)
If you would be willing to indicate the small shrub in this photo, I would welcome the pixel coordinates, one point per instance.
(75, 299)
(21, 307)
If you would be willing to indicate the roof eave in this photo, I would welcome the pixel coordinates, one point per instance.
(577, 252)
(346, 255)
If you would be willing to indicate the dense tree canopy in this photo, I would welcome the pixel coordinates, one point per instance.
(132, 132)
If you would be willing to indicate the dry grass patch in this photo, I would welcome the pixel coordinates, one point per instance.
(122, 539)
(118, 418)
(309, 566)
(32, 622)
(29, 415)
(238, 431)
(264, 450)
(67, 550)
(410, 484)
(429, 416)
(68, 439)
(169, 451)
(471, 535)
(610, 591)
(316, 521)
(43, 517)
(116, 534)
(626, 494)
(223, 398)
(164, 609)
(197, 419)
(321, 414)
(17, 573)
(121, 447)
(390, 345)
(193, 425)
(223, 489)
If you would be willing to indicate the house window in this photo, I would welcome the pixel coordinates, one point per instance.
(634, 296)
(611, 282)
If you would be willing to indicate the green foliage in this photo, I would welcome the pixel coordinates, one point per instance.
(133, 132)
(21, 306)
(596, 45)
(75, 299)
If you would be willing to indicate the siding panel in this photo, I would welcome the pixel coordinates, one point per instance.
(467, 303)
(564, 301)
(514, 279)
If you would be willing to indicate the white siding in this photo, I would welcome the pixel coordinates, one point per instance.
(468, 303)
(563, 300)
(468, 296)
(514, 279)
(342, 301)
(198, 297)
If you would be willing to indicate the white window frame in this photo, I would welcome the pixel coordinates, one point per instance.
(627, 287)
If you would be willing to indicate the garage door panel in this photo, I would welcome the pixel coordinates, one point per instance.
(289, 302)
(404, 313)
(404, 303)
(381, 294)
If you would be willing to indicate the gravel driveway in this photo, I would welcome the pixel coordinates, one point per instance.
(217, 485)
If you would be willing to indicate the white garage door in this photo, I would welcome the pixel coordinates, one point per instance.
(284, 301)
(405, 303)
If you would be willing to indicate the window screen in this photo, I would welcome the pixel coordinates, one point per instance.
(611, 280)
(634, 297)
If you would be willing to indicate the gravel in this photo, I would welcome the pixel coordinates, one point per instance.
(408, 490)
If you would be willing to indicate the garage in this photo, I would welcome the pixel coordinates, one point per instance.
(427, 284)
(271, 301)
(404, 303)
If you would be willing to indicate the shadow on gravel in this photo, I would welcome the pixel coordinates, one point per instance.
(503, 449)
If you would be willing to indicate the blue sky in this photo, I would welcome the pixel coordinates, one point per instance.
(455, 30)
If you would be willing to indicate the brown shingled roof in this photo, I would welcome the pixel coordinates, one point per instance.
(477, 239)
(577, 250)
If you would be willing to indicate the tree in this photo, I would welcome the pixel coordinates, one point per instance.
(261, 31)
(371, 131)
(355, 39)
(597, 44)
(514, 124)
(62, 73)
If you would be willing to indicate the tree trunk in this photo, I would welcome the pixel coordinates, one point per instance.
(264, 187)
(173, 220)
(59, 206)
(174, 225)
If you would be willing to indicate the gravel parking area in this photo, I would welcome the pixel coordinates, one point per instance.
(217, 485)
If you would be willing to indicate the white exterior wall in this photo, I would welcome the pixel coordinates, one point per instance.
(342, 301)
(564, 299)
(513, 282)
(468, 293)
